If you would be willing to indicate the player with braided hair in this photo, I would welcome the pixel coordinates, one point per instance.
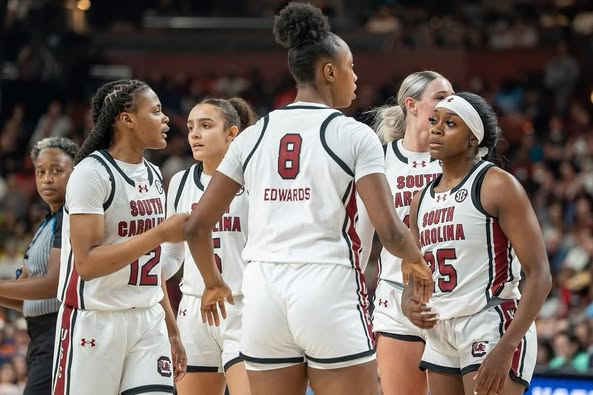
(112, 336)
(110, 98)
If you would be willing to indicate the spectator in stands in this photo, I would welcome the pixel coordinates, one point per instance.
(562, 73)
(569, 352)
(54, 123)
(383, 21)
(8, 380)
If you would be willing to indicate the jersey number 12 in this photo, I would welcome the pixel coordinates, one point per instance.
(141, 275)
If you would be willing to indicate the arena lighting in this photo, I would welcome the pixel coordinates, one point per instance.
(83, 5)
(591, 97)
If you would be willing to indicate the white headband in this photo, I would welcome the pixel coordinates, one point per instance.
(470, 116)
(465, 111)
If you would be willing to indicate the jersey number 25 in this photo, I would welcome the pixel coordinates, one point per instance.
(447, 280)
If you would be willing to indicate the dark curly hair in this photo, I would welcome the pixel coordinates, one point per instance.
(109, 101)
(305, 31)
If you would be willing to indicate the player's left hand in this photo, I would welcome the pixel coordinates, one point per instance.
(494, 371)
(179, 357)
(213, 300)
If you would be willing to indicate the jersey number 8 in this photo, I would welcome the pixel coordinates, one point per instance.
(289, 156)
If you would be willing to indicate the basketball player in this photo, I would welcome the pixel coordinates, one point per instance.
(302, 165)
(470, 221)
(112, 336)
(409, 168)
(34, 290)
(213, 351)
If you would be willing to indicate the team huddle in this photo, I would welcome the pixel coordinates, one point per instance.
(273, 226)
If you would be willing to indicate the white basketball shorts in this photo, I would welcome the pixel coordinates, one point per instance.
(388, 317)
(112, 352)
(460, 345)
(209, 348)
(297, 313)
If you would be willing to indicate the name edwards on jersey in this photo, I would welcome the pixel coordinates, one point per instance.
(142, 208)
(287, 194)
(444, 230)
(414, 184)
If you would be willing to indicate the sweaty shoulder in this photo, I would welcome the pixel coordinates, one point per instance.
(496, 180)
(496, 177)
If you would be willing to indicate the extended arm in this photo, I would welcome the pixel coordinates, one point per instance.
(218, 196)
(85, 195)
(418, 313)
(198, 230)
(92, 259)
(32, 288)
(394, 234)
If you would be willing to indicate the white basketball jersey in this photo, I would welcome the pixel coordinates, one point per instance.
(471, 259)
(131, 201)
(229, 234)
(299, 165)
(408, 173)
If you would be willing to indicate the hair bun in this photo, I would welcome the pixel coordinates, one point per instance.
(246, 113)
(298, 23)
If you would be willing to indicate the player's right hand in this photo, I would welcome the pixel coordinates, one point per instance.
(213, 300)
(418, 313)
(172, 229)
(422, 276)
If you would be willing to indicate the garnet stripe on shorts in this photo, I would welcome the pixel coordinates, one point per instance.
(64, 352)
(504, 311)
(354, 245)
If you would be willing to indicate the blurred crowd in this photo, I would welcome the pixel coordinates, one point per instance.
(546, 116)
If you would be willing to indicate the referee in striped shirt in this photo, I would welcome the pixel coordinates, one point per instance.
(35, 289)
